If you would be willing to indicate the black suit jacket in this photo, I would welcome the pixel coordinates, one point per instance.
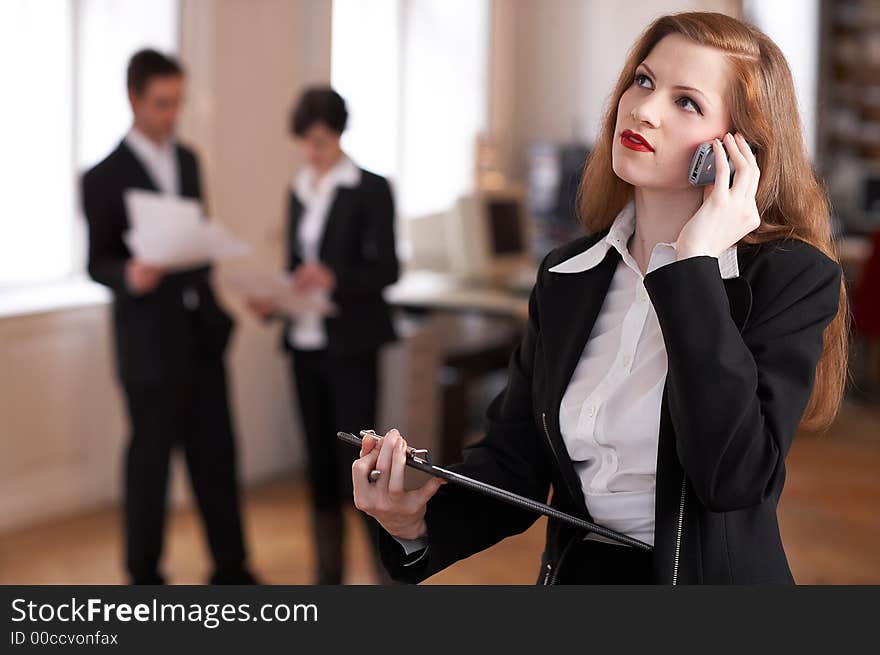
(358, 246)
(156, 336)
(741, 363)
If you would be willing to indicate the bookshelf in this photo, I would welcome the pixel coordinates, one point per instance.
(849, 111)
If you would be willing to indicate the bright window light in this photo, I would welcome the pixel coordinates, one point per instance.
(415, 76)
(65, 109)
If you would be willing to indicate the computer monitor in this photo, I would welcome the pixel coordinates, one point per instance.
(488, 236)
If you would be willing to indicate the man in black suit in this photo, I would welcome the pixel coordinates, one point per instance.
(170, 336)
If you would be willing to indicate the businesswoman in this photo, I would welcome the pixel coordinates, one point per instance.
(340, 248)
(669, 357)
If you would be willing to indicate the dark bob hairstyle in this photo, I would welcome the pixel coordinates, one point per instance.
(319, 104)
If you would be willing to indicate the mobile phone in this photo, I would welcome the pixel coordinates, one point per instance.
(702, 171)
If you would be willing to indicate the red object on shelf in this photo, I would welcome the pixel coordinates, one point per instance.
(866, 294)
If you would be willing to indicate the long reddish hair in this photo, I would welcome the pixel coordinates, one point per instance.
(791, 201)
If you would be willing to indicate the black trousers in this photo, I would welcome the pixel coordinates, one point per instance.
(599, 563)
(334, 393)
(190, 411)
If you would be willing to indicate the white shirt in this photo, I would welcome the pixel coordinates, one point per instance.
(610, 413)
(159, 160)
(307, 332)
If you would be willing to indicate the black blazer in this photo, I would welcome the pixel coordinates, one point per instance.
(358, 246)
(742, 354)
(156, 336)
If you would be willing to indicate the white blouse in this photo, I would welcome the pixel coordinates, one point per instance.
(610, 412)
(307, 331)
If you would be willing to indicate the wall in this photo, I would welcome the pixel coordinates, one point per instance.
(62, 419)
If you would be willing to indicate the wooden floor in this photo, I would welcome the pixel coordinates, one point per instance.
(828, 515)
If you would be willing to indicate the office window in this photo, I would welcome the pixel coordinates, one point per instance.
(365, 56)
(415, 76)
(37, 155)
(108, 32)
(64, 109)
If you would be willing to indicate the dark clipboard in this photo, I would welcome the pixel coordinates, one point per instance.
(420, 460)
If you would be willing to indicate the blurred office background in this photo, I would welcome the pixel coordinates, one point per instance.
(481, 113)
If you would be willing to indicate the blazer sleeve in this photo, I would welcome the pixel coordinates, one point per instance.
(460, 522)
(106, 261)
(736, 398)
(379, 266)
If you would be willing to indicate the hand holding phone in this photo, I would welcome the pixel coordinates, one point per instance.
(728, 212)
(702, 171)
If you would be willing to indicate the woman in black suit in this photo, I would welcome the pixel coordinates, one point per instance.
(341, 249)
(670, 356)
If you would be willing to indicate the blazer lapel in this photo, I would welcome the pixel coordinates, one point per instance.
(342, 208)
(572, 304)
(140, 178)
(294, 216)
(187, 181)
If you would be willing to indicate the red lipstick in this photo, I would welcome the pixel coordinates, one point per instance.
(635, 141)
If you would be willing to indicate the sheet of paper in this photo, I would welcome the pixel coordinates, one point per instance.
(276, 287)
(149, 210)
(169, 231)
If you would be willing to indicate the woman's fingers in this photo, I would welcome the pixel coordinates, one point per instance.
(722, 169)
(744, 172)
(743, 178)
(398, 511)
(366, 462)
(752, 162)
(398, 469)
(386, 452)
(367, 445)
(360, 471)
(305, 276)
(368, 455)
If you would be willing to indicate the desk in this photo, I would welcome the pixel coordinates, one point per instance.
(471, 348)
(475, 328)
(432, 291)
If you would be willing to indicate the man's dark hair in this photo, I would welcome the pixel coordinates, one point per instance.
(319, 104)
(144, 65)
